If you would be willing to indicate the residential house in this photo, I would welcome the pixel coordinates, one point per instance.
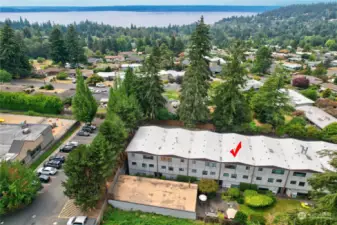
(94, 61)
(278, 165)
(317, 116)
(330, 86)
(292, 66)
(114, 58)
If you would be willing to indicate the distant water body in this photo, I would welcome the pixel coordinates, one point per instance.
(124, 16)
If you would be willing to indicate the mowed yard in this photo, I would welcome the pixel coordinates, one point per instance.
(281, 206)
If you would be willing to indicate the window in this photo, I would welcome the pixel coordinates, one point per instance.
(245, 177)
(229, 166)
(181, 169)
(207, 163)
(151, 165)
(144, 165)
(292, 182)
(182, 160)
(193, 162)
(270, 180)
(166, 159)
(277, 171)
(302, 184)
(134, 163)
(258, 178)
(212, 173)
(163, 167)
(133, 154)
(247, 167)
(233, 176)
(299, 174)
(204, 172)
(170, 168)
(194, 170)
(279, 180)
(260, 169)
(226, 174)
(213, 164)
(148, 157)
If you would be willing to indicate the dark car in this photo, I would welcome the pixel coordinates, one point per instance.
(87, 129)
(67, 148)
(83, 133)
(91, 126)
(53, 163)
(60, 158)
(44, 178)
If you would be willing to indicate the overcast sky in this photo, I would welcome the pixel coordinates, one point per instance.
(147, 2)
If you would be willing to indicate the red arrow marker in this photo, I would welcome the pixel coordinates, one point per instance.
(235, 152)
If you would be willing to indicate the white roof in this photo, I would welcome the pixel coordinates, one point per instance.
(106, 74)
(172, 72)
(296, 98)
(133, 65)
(206, 145)
(215, 59)
(317, 116)
(255, 84)
(292, 65)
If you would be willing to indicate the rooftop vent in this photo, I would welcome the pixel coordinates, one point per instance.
(271, 150)
(26, 131)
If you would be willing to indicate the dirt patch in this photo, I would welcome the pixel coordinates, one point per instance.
(58, 91)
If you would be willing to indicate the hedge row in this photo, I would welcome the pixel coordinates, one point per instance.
(38, 103)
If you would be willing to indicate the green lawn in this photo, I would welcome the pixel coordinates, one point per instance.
(173, 95)
(281, 206)
(118, 217)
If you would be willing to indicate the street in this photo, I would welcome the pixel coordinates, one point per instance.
(50, 200)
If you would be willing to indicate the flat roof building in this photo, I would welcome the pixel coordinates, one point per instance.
(153, 195)
(296, 98)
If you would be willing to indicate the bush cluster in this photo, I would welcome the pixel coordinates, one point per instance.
(247, 186)
(37, 103)
(255, 200)
(61, 76)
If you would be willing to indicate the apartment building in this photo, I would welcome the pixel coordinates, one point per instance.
(279, 165)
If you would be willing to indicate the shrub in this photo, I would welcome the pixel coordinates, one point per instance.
(208, 186)
(313, 132)
(164, 114)
(310, 93)
(240, 200)
(40, 59)
(258, 201)
(326, 93)
(233, 193)
(266, 129)
(301, 82)
(94, 79)
(5, 76)
(182, 178)
(257, 219)
(38, 103)
(61, 76)
(49, 87)
(240, 217)
(329, 133)
(245, 186)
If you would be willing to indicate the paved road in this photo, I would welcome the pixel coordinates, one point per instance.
(45, 209)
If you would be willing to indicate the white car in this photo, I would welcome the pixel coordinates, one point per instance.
(47, 171)
(77, 220)
(73, 143)
(100, 85)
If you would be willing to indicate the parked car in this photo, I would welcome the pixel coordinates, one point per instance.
(81, 220)
(47, 171)
(90, 125)
(74, 143)
(67, 148)
(100, 85)
(60, 158)
(53, 163)
(83, 134)
(87, 129)
(44, 178)
(73, 80)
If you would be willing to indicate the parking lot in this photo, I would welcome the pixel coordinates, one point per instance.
(45, 209)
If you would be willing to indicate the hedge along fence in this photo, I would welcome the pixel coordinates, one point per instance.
(38, 103)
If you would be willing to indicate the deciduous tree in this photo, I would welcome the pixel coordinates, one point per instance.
(5, 76)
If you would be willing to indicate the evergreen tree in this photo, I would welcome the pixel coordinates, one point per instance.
(232, 108)
(263, 60)
(84, 104)
(85, 177)
(12, 53)
(58, 51)
(74, 48)
(269, 103)
(193, 107)
(166, 57)
(150, 88)
(130, 82)
(90, 42)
